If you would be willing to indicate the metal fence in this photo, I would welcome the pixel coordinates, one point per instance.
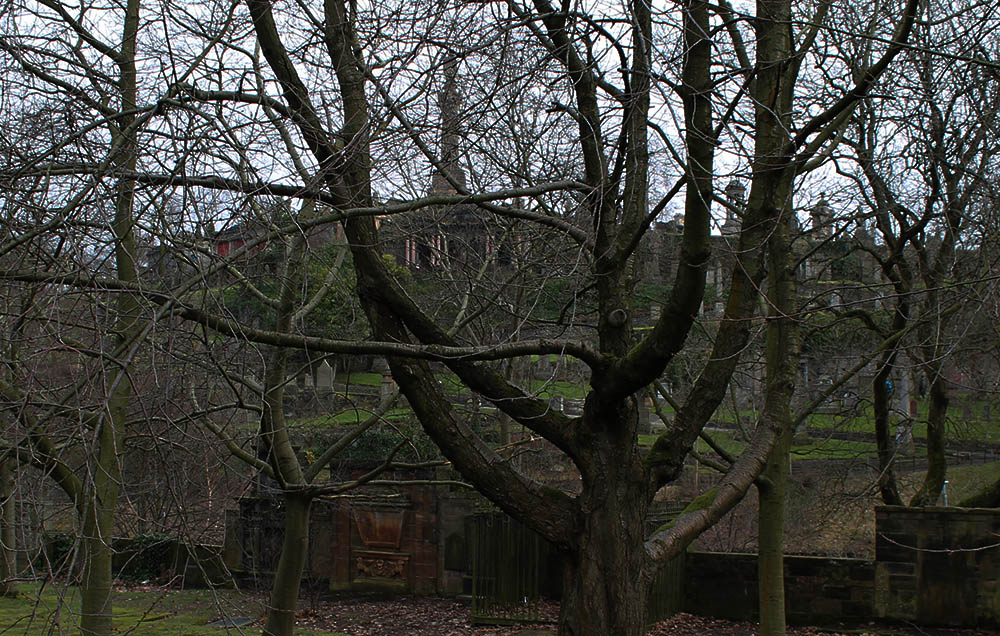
(506, 569)
(509, 563)
(666, 596)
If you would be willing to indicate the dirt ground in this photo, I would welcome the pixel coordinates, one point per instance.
(421, 616)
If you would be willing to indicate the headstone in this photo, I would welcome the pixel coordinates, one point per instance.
(324, 377)
(645, 426)
(543, 366)
(865, 386)
(902, 391)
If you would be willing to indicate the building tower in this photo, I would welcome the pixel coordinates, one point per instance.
(449, 103)
(736, 196)
(822, 216)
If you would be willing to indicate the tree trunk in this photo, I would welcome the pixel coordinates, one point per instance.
(937, 464)
(771, 540)
(294, 550)
(605, 581)
(8, 556)
(97, 527)
(105, 483)
(782, 357)
(607, 571)
(883, 434)
(281, 455)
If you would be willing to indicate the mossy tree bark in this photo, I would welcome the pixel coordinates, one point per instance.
(774, 175)
(937, 462)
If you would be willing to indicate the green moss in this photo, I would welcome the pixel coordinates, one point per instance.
(701, 502)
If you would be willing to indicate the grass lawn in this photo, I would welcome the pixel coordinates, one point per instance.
(347, 417)
(965, 481)
(959, 428)
(355, 377)
(833, 449)
(813, 449)
(54, 611)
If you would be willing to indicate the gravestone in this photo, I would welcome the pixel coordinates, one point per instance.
(291, 386)
(543, 367)
(387, 386)
(324, 378)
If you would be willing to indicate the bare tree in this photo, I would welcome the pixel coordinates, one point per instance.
(924, 161)
(336, 112)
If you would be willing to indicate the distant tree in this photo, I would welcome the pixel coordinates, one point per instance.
(924, 162)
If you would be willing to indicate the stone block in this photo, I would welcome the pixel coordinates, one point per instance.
(899, 569)
(856, 610)
(824, 608)
(836, 592)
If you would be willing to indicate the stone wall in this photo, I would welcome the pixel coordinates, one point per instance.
(819, 590)
(933, 566)
(938, 566)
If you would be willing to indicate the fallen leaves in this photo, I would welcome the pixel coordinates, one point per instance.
(427, 616)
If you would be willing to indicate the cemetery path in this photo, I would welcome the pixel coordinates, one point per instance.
(426, 616)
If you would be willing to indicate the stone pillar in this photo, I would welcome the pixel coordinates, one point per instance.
(387, 387)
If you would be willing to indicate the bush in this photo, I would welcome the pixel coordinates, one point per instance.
(145, 557)
(377, 444)
(57, 549)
